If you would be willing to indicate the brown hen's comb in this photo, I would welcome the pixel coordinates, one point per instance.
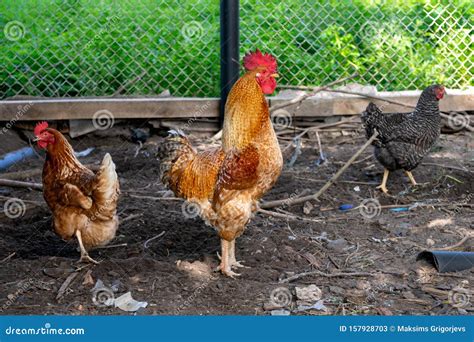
(40, 127)
(256, 59)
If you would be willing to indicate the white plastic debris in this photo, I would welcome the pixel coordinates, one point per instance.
(126, 303)
(357, 188)
(84, 153)
(319, 305)
(281, 312)
(103, 295)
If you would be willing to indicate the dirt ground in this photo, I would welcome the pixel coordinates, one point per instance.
(173, 272)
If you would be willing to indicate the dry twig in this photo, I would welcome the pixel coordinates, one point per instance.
(316, 90)
(19, 184)
(327, 275)
(303, 199)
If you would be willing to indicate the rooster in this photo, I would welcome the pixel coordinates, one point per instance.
(404, 139)
(83, 203)
(227, 182)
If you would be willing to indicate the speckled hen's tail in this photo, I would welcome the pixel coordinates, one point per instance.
(106, 190)
(176, 149)
(371, 119)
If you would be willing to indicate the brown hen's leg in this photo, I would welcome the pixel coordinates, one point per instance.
(225, 266)
(412, 179)
(383, 186)
(84, 255)
(232, 260)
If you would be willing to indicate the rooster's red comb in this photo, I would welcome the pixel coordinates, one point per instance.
(256, 59)
(40, 127)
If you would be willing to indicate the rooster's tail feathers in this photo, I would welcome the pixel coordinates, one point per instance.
(176, 149)
(107, 188)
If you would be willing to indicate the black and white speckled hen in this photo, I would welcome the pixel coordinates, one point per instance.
(405, 138)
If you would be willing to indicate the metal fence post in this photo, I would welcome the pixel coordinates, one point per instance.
(229, 13)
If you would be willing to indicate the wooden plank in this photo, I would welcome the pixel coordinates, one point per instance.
(455, 100)
(176, 107)
(121, 108)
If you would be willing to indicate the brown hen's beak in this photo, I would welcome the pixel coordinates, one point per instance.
(275, 75)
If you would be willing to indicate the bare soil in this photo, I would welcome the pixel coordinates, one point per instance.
(173, 273)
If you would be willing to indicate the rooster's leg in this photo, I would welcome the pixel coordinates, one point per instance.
(383, 186)
(412, 179)
(233, 261)
(84, 255)
(225, 266)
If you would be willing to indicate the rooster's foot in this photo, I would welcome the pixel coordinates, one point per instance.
(227, 271)
(235, 263)
(85, 258)
(383, 188)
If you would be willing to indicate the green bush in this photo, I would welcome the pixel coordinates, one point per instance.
(96, 48)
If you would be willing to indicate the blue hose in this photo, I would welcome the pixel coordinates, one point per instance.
(14, 157)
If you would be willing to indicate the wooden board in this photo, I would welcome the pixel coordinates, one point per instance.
(175, 107)
(455, 100)
(121, 108)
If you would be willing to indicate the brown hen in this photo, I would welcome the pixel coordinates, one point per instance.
(83, 203)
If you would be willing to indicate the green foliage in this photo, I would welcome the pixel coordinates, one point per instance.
(85, 47)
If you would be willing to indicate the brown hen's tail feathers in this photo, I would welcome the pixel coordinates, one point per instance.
(106, 193)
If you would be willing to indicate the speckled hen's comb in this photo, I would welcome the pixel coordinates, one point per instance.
(40, 127)
(256, 59)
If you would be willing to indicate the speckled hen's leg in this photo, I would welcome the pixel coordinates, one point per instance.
(225, 266)
(383, 186)
(412, 179)
(232, 260)
(84, 255)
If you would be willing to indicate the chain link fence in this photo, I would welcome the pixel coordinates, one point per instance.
(56, 48)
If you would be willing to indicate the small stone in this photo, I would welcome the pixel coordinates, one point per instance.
(363, 285)
(337, 290)
(338, 245)
(430, 242)
(88, 280)
(307, 208)
(310, 294)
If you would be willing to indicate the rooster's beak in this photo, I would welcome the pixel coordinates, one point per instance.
(35, 139)
(275, 75)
